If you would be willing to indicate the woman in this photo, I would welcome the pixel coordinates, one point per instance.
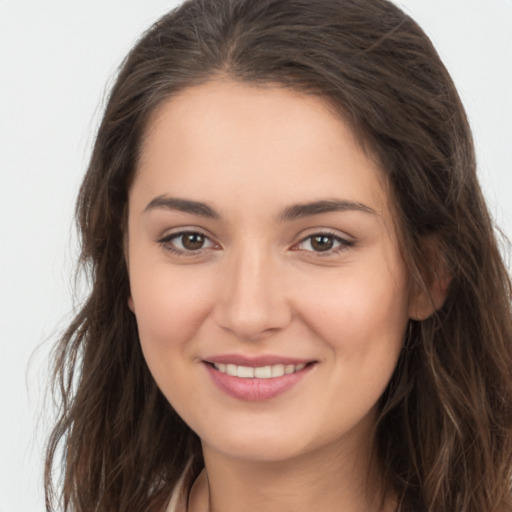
(297, 298)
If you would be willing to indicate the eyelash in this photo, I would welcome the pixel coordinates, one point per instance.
(343, 244)
(167, 243)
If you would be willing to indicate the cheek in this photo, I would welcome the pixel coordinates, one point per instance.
(362, 322)
(360, 314)
(169, 307)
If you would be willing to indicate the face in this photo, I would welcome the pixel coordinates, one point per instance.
(266, 277)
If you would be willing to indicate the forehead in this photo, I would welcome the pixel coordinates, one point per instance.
(225, 139)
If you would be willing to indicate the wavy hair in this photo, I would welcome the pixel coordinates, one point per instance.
(444, 433)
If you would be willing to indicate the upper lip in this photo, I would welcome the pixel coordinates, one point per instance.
(255, 361)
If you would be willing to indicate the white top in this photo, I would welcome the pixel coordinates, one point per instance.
(178, 502)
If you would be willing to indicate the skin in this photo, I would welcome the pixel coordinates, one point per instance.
(258, 285)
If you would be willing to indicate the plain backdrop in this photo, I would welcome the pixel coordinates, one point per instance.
(56, 59)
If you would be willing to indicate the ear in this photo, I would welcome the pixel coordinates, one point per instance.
(427, 298)
(431, 284)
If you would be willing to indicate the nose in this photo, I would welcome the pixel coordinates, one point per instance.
(253, 302)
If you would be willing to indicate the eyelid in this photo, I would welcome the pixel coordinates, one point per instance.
(344, 242)
(165, 241)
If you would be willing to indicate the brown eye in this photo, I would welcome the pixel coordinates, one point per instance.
(192, 241)
(186, 242)
(322, 243)
(328, 243)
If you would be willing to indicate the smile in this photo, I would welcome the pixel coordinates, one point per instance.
(259, 372)
(256, 379)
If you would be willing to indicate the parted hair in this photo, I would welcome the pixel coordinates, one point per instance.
(444, 432)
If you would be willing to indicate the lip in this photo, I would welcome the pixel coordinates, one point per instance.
(255, 361)
(255, 389)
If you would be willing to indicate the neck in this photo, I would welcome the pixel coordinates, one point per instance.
(330, 479)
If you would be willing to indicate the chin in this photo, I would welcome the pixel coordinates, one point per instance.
(260, 452)
(261, 445)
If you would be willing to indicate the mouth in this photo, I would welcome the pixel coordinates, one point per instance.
(259, 372)
(257, 379)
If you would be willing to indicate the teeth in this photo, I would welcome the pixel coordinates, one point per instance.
(277, 370)
(245, 372)
(289, 368)
(264, 372)
(260, 372)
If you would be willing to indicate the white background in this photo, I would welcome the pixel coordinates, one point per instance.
(56, 58)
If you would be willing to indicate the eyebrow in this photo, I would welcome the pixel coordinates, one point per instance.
(293, 212)
(298, 211)
(182, 205)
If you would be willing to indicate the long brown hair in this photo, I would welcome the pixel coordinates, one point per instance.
(444, 435)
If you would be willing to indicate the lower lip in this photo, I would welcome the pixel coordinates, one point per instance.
(255, 389)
